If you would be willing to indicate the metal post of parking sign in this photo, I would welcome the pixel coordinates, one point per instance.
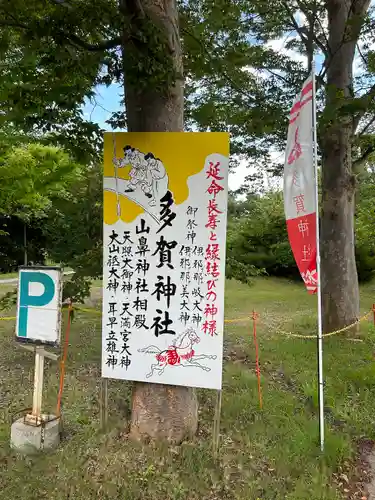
(39, 321)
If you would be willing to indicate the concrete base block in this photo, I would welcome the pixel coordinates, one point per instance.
(30, 439)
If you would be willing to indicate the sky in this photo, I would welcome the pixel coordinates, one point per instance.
(108, 100)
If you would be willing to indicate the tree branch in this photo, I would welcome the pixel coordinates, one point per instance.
(361, 54)
(212, 60)
(324, 35)
(359, 162)
(319, 43)
(365, 101)
(295, 25)
(356, 8)
(135, 7)
(13, 24)
(367, 126)
(63, 3)
(280, 77)
(71, 37)
(99, 47)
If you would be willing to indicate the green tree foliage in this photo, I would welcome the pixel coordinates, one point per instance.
(73, 231)
(365, 227)
(236, 266)
(258, 240)
(230, 87)
(226, 62)
(35, 179)
(257, 236)
(12, 243)
(54, 53)
(46, 74)
(31, 177)
(239, 80)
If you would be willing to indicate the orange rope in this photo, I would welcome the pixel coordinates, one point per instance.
(62, 364)
(255, 317)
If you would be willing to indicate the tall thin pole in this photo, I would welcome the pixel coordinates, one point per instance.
(64, 358)
(319, 286)
(24, 244)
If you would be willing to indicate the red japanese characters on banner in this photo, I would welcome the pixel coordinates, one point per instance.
(299, 186)
(213, 249)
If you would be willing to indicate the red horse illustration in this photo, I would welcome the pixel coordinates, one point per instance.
(180, 353)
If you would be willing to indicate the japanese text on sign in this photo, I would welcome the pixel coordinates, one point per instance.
(164, 261)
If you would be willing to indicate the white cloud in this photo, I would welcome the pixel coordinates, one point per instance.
(278, 45)
(300, 18)
(237, 178)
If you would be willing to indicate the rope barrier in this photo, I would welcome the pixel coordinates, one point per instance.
(86, 310)
(330, 334)
(99, 313)
(238, 320)
(95, 311)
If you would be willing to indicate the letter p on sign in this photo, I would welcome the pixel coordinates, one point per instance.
(39, 305)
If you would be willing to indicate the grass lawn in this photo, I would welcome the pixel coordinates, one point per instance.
(8, 276)
(264, 455)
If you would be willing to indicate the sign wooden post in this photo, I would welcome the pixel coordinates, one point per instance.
(35, 418)
(36, 414)
(39, 323)
(104, 403)
(216, 429)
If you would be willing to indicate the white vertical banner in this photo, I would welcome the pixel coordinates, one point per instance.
(302, 208)
(299, 186)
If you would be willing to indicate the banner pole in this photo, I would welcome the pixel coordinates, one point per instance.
(318, 267)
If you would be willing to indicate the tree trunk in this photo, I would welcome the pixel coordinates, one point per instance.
(340, 291)
(153, 86)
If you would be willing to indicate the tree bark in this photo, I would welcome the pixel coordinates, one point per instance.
(340, 290)
(153, 87)
(153, 82)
